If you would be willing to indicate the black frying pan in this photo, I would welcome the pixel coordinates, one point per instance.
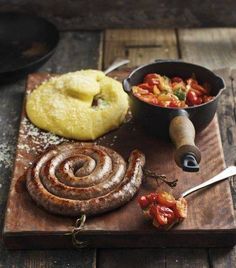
(177, 123)
(26, 42)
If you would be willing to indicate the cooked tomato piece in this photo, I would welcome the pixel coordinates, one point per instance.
(161, 218)
(150, 98)
(143, 202)
(166, 199)
(180, 208)
(161, 214)
(164, 215)
(176, 80)
(153, 82)
(199, 88)
(197, 92)
(194, 85)
(152, 197)
(146, 86)
(152, 211)
(174, 103)
(199, 101)
(192, 97)
(163, 209)
(152, 79)
(206, 98)
(160, 90)
(151, 76)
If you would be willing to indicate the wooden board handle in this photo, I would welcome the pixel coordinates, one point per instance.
(182, 134)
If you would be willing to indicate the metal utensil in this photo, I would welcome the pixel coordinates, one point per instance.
(116, 64)
(225, 174)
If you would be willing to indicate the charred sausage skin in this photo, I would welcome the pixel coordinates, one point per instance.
(83, 178)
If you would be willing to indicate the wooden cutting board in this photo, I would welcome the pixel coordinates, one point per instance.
(210, 220)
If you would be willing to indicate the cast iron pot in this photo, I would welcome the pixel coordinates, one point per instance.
(179, 124)
(26, 43)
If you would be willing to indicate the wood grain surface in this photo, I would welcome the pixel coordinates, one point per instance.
(71, 53)
(11, 103)
(214, 48)
(223, 49)
(195, 49)
(208, 223)
(140, 46)
(101, 14)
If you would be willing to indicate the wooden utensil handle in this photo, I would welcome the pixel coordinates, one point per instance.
(182, 134)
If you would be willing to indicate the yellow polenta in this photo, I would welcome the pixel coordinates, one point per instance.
(82, 105)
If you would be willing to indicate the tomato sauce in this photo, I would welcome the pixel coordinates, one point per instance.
(172, 92)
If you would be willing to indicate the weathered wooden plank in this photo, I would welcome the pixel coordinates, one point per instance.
(82, 258)
(148, 258)
(153, 45)
(183, 258)
(214, 48)
(139, 46)
(76, 50)
(219, 46)
(226, 115)
(100, 14)
(48, 231)
(222, 257)
(227, 257)
(137, 258)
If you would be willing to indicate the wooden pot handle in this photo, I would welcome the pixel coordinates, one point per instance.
(182, 134)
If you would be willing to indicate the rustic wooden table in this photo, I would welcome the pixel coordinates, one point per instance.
(214, 48)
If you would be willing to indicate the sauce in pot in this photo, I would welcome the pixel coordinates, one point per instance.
(163, 91)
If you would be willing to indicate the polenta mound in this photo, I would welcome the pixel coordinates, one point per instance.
(81, 105)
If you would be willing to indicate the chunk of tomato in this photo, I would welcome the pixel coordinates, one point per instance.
(153, 82)
(194, 85)
(176, 80)
(192, 98)
(152, 79)
(146, 86)
(199, 101)
(150, 98)
(151, 76)
(174, 104)
(152, 211)
(143, 202)
(161, 214)
(164, 215)
(166, 199)
(152, 197)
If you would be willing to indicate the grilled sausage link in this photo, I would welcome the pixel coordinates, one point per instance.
(84, 178)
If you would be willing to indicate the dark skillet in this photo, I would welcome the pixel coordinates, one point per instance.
(177, 123)
(26, 42)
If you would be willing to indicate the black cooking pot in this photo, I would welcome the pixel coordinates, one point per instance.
(177, 123)
(26, 43)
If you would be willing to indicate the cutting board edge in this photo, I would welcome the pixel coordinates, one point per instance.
(7, 235)
(60, 240)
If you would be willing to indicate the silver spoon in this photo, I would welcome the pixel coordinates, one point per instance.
(225, 174)
(116, 64)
